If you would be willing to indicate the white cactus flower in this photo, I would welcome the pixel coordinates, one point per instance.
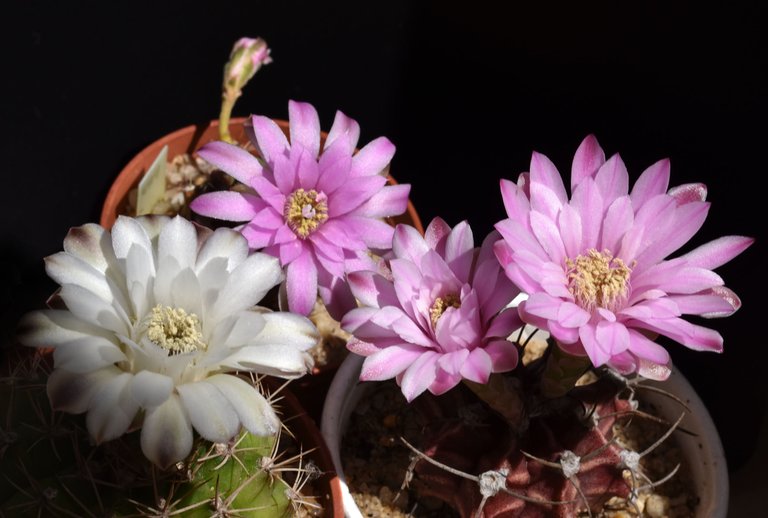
(159, 313)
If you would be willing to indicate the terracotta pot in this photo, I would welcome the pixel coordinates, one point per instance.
(703, 451)
(189, 140)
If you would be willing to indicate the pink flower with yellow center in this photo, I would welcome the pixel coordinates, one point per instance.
(594, 265)
(439, 316)
(319, 212)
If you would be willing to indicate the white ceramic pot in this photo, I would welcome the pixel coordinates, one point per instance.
(703, 451)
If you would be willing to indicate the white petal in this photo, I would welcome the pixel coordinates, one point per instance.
(209, 411)
(112, 409)
(87, 354)
(51, 327)
(247, 285)
(185, 293)
(275, 360)
(127, 233)
(139, 277)
(151, 389)
(68, 269)
(72, 393)
(166, 436)
(248, 324)
(224, 243)
(92, 244)
(287, 330)
(94, 310)
(178, 239)
(252, 408)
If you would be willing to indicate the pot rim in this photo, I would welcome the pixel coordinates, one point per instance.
(710, 476)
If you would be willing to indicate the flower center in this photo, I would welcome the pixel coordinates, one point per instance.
(598, 279)
(441, 304)
(174, 330)
(305, 211)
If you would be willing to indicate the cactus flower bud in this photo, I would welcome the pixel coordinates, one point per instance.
(246, 58)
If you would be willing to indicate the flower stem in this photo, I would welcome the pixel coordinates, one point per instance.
(228, 99)
(503, 395)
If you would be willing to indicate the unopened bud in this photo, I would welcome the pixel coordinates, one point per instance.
(246, 58)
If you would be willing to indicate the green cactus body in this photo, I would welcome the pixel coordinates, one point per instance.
(51, 468)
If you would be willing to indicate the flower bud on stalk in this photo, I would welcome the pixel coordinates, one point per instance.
(246, 58)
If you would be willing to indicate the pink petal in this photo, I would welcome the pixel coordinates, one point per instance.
(520, 238)
(228, 205)
(503, 353)
(391, 200)
(652, 182)
(362, 348)
(307, 169)
(624, 363)
(305, 126)
(714, 303)
(270, 139)
(718, 252)
(541, 305)
(512, 270)
(390, 362)
(618, 221)
(419, 375)
(344, 133)
(612, 179)
(290, 251)
(371, 289)
(373, 158)
(571, 315)
(504, 323)
(408, 244)
(460, 252)
(597, 352)
(684, 280)
(548, 236)
(286, 169)
(433, 267)
(269, 193)
(644, 348)
(234, 160)
(547, 189)
(687, 221)
(436, 234)
(358, 317)
(515, 201)
(588, 159)
(375, 233)
(478, 366)
(353, 193)
(334, 167)
(588, 202)
(398, 321)
(689, 192)
(569, 227)
(256, 236)
(692, 336)
(613, 336)
(335, 293)
(653, 371)
(301, 284)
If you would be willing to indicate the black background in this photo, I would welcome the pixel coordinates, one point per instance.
(465, 90)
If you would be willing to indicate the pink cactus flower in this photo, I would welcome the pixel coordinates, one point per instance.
(593, 265)
(318, 212)
(438, 316)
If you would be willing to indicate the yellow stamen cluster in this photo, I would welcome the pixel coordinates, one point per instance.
(174, 330)
(598, 279)
(441, 304)
(305, 211)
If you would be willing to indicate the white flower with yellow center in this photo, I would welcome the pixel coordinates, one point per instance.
(159, 313)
